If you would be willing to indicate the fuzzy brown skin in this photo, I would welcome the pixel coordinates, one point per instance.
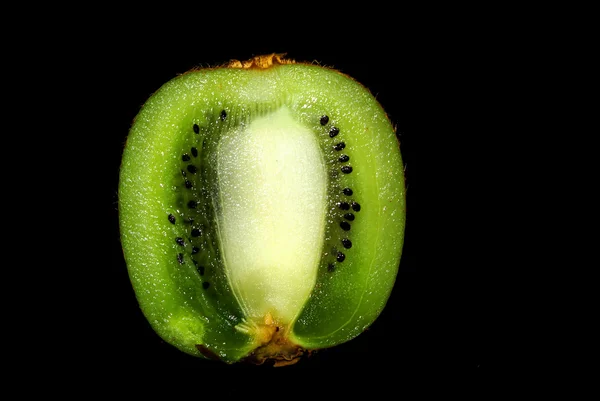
(261, 62)
(277, 349)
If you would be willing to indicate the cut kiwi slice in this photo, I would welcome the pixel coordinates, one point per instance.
(262, 210)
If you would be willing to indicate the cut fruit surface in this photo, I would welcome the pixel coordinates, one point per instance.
(262, 209)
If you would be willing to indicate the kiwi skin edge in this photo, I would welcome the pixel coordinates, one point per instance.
(345, 296)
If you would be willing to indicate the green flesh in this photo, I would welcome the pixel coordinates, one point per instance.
(263, 232)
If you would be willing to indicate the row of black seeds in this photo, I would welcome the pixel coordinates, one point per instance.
(180, 241)
(192, 204)
(346, 169)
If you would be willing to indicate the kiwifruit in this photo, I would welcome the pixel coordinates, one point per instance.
(262, 209)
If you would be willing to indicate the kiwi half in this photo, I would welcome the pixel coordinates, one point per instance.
(262, 209)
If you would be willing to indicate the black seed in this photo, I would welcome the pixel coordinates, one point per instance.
(195, 262)
(347, 191)
(172, 219)
(331, 267)
(347, 243)
(196, 232)
(180, 258)
(223, 115)
(343, 205)
(180, 241)
(195, 250)
(324, 120)
(201, 270)
(340, 257)
(190, 220)
(355, 206)
(344, 158)
(185, 157)
(205, 285)
(349, 216)
(334, 131)
(346, 169)
(188, 184)
(277, 328)
(194, 152)
(183, 173)
(339, 146)
(345, 225)
(192, 169)
(196, 129)
(192, 204)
